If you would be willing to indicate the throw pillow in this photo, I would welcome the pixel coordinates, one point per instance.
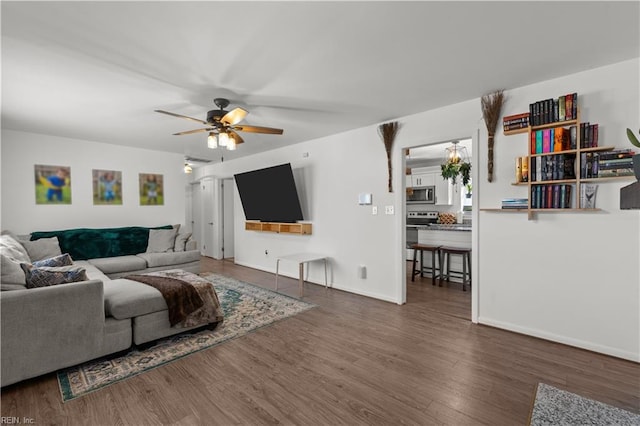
(161, 240)
(42, 248)
(12, 253)
(62, 260)
(181, 241)
(45, 276)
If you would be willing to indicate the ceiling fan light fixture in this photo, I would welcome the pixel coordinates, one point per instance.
(231, 145)
(223, 139)
(212, 140)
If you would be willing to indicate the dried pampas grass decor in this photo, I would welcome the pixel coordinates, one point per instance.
(491, 106)
(387, 132)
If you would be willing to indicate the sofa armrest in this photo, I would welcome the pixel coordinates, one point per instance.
(48, 328)
(191, 244)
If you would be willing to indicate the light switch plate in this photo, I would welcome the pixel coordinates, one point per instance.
(388, 209)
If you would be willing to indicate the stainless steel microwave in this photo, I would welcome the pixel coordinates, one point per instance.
(424, 195)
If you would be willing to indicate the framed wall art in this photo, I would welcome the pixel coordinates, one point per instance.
(53, 184)
(107, 187)
(151, 188)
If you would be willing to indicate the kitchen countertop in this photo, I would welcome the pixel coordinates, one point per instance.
(443, 227)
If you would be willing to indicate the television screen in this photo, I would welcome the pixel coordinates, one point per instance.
(269, 195)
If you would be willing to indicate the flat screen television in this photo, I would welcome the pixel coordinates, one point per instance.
(269, 195)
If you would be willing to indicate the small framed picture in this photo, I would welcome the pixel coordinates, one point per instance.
(53, 184)
(107, 187)
(151, 188)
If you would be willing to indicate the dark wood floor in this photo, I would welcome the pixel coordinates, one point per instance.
(352, 360)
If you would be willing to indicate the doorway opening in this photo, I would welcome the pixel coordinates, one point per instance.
(442, 220)
(227, 219)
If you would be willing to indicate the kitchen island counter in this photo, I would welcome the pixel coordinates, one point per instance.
(434, 236)
(444, 227)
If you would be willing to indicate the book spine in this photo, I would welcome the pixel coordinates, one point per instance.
(524, 164)
(569, 106)
(546, 142)
(533, 169)
(538, 141)
(573, 137)
(556, 196)
(574, 105)
(561, 109)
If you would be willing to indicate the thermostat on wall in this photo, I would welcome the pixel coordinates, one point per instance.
(364, 199)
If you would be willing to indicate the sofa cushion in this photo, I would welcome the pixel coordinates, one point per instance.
(42, 249)
(12, 254)
(128, 299)
(154, 260)
(88, 243)
(92, 271)
(45, 276)
(181, 241)
(161, 240)
(109, 265)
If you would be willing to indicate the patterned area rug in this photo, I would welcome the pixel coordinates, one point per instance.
(557, 407)
(246, 308)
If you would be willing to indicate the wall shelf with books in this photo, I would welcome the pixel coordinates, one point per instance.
(564, 162)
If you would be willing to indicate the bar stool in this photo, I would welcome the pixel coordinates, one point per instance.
(465, 274)
(435, 251)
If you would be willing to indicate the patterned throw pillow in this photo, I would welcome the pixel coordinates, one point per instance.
(45, 276)
(62, 260)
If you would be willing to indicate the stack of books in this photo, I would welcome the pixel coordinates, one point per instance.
(515, 203)
(551, 196)
(615, 163)
(563, 108)
(515, 122)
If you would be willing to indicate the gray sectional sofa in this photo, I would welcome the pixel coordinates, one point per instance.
(47, 328)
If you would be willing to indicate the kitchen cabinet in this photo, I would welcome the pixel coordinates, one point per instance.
(444, 191)
(420, 179)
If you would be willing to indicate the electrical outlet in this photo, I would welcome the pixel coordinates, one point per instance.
(374, 210)
(388, 209)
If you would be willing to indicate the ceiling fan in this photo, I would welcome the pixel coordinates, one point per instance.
(223, 125)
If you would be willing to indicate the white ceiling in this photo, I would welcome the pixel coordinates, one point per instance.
(97, 70)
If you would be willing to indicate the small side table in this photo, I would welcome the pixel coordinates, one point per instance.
(301, 259)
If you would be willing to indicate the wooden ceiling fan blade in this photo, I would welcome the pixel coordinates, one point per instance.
(190, 132)
(235, 137)
(173, 114)
(234, 116)
(258, 129)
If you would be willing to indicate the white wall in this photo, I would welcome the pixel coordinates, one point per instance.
(20, 214)
(329, 179)
(571, 277)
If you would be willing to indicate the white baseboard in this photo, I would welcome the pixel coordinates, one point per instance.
(591, 346)
(331, 285)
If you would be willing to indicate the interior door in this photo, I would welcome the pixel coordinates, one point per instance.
(196, 214)
(208, 214)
